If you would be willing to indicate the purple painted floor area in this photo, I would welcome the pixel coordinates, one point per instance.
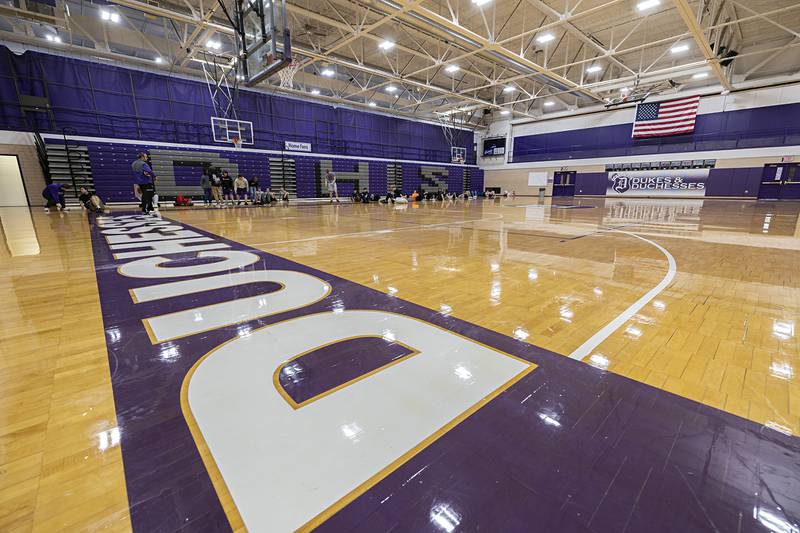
(568, 448)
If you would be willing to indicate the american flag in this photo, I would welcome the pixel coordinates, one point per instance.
(666, 118)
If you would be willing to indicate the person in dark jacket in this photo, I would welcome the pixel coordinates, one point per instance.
(54, 196)
(253, 183)
(205, 183)
(91, 202)
(227, 188)
(145, 178)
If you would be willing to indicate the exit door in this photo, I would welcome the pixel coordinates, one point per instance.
(780, 182)
(564, 183)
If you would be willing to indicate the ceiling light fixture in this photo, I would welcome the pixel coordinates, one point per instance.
(314, 91)
(372, 104)
(647, 4)
(386, 45)
(109, 16)
(391, 89)
(509, 89)
(452, 68)
(679, 48)
(214, 45)
(158, 60)
(53, 38)
(700, 75)
(594, 68)
(480, 2)
(505, 112)
(545, 38)
(549, 103)
(328, 72)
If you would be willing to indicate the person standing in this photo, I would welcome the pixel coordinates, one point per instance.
(330, 181)
(240, 186)
(145, 178)
(227, 187)
(54, 196)
(205, 183)
(216, 187)
(253, 183)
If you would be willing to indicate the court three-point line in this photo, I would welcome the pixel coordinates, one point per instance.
(595, 340)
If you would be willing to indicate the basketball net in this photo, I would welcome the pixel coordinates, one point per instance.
(286, 74)
(237, 142)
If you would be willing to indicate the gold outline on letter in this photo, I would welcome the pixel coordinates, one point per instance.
(223, 493)
(286, 396)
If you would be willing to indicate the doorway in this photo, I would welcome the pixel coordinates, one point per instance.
(780, 181)
(564, 183)
(12, 189)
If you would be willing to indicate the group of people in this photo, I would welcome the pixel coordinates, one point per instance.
(222, 190)
(397, 196)
(54, 196)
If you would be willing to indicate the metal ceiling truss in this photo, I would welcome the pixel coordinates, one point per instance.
(491, 47)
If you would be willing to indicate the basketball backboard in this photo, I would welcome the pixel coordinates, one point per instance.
(262, 38)
(225, 130)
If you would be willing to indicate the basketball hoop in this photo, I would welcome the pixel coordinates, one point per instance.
(237, 142)
(287, 74)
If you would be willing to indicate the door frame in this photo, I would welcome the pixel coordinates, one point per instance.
(21, 177)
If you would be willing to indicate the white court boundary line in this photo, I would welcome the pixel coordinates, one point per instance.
(595, 340)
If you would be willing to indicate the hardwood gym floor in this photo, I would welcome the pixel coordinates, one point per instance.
(722, 331)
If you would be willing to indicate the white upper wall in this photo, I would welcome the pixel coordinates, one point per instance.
(788, 94)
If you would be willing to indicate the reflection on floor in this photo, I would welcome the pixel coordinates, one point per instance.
(607, 450)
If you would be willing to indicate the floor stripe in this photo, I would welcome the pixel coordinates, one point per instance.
(595, 340)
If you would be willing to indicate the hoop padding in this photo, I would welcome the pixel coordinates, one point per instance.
(286, 74)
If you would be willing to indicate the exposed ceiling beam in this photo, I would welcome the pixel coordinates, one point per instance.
(367, 30)
(205, 22)
(699, 37)
(573, 30)
(492, 48)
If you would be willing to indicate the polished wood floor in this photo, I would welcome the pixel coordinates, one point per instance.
(723, 332)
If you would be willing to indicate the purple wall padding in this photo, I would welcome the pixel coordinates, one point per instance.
(733, 182)
(744, 128)
(591, 183)
(306, 174)
(455, 179)
(476, 179)
(739, 182)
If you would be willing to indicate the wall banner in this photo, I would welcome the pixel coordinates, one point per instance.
(689, 182)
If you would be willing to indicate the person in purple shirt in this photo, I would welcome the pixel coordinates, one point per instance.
(54, 196)
(144, 177)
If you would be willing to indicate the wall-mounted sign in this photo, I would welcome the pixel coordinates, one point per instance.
(297, 146)
(678, 182)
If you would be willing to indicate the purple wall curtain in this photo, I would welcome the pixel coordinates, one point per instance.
(97, 99)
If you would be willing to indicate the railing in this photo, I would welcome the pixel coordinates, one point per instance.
(41, 153)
